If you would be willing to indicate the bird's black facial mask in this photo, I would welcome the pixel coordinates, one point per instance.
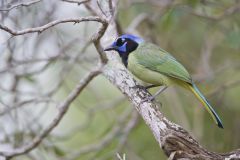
(124, 45)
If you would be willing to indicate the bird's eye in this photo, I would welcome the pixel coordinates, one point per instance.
(120, 42)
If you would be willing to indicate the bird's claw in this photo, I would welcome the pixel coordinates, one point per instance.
(150, 99)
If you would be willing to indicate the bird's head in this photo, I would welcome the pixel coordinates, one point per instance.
(125, 44)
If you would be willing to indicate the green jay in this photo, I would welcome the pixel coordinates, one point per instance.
(153, 65)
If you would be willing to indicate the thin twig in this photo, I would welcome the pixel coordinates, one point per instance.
(229, 11)
(76, 1)
(51, 24)
(105, 141)
(63, 107)
(100, 7)
(110, 5)
(21, 5)
(23, 103)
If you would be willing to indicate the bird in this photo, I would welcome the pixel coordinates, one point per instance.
(155, 66)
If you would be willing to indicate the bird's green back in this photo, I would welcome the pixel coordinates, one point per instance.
(156, 59)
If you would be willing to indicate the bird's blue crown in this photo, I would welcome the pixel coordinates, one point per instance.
(132, 37)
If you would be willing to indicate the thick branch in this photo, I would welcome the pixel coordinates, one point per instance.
(175, 141)
(172, 138)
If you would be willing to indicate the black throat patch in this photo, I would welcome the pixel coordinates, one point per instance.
(125, 59)
(130, 47)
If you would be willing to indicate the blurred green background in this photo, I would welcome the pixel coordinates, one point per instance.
(204, 35)
(210, 50)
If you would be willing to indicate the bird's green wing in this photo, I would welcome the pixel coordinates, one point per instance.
(158, 60)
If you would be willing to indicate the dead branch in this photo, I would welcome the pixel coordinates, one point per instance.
(51, 24)
(26, 4)
(62, 107)
(227, 12)
(76, 1)
(107, 139)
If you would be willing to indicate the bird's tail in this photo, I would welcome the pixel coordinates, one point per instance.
(205, 103)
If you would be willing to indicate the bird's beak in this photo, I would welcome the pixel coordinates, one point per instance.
(109, 48)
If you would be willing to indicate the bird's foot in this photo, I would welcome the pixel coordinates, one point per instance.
(148, 99)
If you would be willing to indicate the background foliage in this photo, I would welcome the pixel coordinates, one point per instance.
(204, 35)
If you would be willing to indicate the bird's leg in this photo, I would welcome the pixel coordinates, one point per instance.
(151, 98)
(146, 88)
(151, 86)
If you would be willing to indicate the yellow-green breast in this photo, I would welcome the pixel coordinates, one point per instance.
(153, 65)
(147, 75)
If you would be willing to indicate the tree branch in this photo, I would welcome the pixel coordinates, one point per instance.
(76, 1)
(106, 140)
(51, 24)
(175, 141)
(63, 107)
(229, 11)
(26, 4)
